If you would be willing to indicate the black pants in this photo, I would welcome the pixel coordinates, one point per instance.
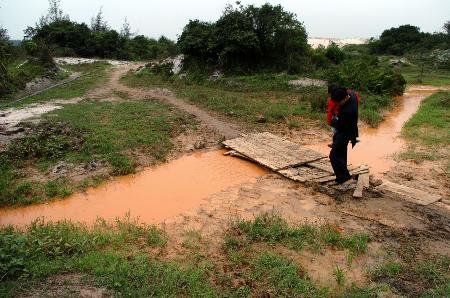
(338, 157)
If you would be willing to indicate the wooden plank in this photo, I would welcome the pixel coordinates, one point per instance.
(303, 174)
(365, 178)
(322, 165)
(358, 193)
(409, 194)
(353, 171)
(272, 151)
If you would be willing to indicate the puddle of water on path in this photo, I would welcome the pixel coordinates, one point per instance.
(152, 195)
(379, 144)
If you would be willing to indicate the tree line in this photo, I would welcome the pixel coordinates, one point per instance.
(69, 38)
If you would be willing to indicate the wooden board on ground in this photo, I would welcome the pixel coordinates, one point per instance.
(358, 193)
(409, 194)
(303, 174)
(354, 170)
(323, 164)
(272, 151)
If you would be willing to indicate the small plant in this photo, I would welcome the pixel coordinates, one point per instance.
(57, 188)
(339, 275)
(13, 254)
(122, 165)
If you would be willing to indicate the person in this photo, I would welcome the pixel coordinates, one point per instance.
(345, 124)
(333, 107)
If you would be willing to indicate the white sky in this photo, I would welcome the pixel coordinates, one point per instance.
(322, 18)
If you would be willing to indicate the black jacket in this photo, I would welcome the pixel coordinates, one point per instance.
(347, 121)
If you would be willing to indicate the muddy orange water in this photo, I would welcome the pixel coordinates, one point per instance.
(379, 144)
(152, 195)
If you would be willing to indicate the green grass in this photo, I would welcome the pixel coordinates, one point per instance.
(130, 259)
(431, 76)
(94, 74)
(280, 276)
(339, 275)
(430, 126)
(115, 255)
(252, 98)
(272, 229)
(428, 131)
(82, 133)
(429, 277)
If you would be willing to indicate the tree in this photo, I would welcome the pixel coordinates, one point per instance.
(67, 37)
(4, 76)
(98, 24)
(126, 32)
(447, 27)
(54, 13)
(247, 38)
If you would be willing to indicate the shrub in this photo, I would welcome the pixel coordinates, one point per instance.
(360, 75)
(13, 254)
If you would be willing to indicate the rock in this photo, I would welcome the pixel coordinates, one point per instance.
(215, 75)
(12, 131)
(200, 144)
(374, 181)
(261, 119)
(61, 168)
(190, 147)
(2, 115)
(92, 165)
(305, 82)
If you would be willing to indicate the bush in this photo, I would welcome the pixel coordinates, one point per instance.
(334, 53)
(362, 76)
(13, 254)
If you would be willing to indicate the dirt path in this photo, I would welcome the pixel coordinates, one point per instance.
(107, 91)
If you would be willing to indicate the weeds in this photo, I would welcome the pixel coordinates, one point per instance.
(430, 129)
(273, 229)
(430, 277)
(430, 126)
(277, 275)
(93, 74)
(247, 98)
(339, 275)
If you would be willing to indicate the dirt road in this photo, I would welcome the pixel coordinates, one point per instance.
(107, 91)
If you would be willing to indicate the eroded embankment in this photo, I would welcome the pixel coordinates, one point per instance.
(152, 195)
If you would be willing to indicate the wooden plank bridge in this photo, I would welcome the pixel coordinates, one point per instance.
(308, 166)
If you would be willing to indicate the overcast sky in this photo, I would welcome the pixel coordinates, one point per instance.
(322, 18)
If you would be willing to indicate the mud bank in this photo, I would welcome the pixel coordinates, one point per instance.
(152, 195)
(378, 145)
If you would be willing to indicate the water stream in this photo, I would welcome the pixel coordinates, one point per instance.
(156, 194)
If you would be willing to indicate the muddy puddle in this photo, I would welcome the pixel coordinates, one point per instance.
(378, 145)
(153, 195)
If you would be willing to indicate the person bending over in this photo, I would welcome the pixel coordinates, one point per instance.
(346, 130)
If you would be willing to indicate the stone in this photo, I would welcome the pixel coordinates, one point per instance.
(200, 144)
(261, 119)
(60, 168)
